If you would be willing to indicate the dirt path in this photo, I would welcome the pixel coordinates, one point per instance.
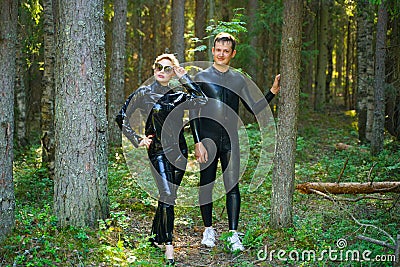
(190, 252)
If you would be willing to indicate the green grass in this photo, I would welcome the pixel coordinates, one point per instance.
(318, 224)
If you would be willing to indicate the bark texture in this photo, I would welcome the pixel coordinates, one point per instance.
(365, 70)
(47, 101)
(80, 183)
(116, 96)
(178, 29)
(200, 26)
(349, 188)
(380, 84)
(283, 174)
(8, 36)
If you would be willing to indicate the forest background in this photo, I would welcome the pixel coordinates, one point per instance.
(348, 129)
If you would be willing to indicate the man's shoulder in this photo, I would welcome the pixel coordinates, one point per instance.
(204, 72)
(236, 73)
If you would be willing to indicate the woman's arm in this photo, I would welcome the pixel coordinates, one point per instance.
(122, 119)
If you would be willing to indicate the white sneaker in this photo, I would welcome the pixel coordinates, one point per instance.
(234, 243)
(209, 237)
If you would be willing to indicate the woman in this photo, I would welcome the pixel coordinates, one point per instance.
(166, 146)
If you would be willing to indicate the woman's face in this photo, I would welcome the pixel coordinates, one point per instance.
(163, 71)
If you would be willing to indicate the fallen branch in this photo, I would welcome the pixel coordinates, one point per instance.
(349, 188)
(377, 242)
(342, 171)
(395, 247)
(370, 172)
(349, 199)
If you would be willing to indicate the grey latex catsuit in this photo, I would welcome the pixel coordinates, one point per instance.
(216, 122)
(168, 150)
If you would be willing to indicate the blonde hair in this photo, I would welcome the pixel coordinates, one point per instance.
(171, 57)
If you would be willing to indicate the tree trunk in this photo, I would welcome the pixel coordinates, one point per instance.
(47, 107)
(225, 14)
(157, 31)
(348, 65)
(349, 188)
(393, 96)
(140, 49)
(328, 81)
(178, 29)
(20, 98)
(380, 84)
(307, 68)
(8, 38)
(80, 183)
(245, 115)
(200, 27)
(211, 14)
(320, 90)
(365, 70)
(339, 54)
(283, 174)
(116, 95)
(252, 20)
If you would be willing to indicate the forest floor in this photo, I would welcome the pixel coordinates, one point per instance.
(318, 224)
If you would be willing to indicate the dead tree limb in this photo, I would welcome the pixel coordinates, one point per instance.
(349, 188)
(395, 247)
(342, 171)
(375, 241)
(370, 172)
(349, 199)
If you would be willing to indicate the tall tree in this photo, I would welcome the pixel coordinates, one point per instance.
(349, 63)
(20, 98)
(365, 69)
(283, 174)
(320, 88)
(47, 101)
(210, 15)
(339, 44)
(8, 37)
(178, 29)
(309, 54)
(393, 95)
(200, 26)
(80, 183)
(116, 93)
(252, 20)
(380, 83)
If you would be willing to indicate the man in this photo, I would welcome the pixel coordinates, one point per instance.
(217, 123)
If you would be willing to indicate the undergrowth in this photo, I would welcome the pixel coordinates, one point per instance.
(328, 229)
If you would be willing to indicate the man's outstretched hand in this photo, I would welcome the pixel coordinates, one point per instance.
(276, 85)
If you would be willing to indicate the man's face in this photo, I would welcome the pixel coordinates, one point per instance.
(223, 53)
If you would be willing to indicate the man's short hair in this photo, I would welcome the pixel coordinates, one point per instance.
(224, 37)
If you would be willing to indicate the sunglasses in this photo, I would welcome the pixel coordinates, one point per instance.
(159, 67)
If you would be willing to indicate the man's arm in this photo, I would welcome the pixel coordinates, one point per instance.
(255, 108)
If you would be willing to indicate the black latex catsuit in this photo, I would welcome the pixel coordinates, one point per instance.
(168, 150)
(217, 121)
